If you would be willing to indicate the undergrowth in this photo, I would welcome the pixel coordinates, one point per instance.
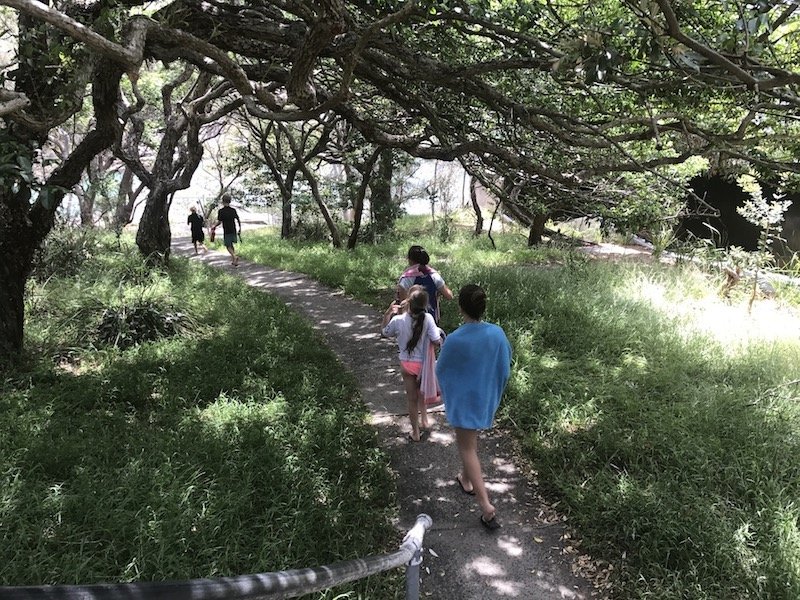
(666, 420)
(232, 445)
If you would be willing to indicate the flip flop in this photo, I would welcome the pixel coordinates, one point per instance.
(463, 489)
(411, 439)
(492, 524)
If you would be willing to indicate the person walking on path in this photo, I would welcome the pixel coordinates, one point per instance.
(196, 223)
(473, 368)
(419, 273)
(534, 568)
(415, 330)
(228, 217)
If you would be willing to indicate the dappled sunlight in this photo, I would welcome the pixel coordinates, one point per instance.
(635, 362)
(495, 576)
(505, 466)
(510, 545)
(229, 412)
(485, 566)
(549, 362)
(727, 322)
(732, 324)
(504, 586)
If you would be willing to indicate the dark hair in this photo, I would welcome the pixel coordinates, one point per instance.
(472, 300)
(226, 198)
(417, 308)
(419, 256)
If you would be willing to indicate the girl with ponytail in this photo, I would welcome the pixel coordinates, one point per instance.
(415, 330)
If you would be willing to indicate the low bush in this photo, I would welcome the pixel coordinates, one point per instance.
(64, 252)
(128, 325)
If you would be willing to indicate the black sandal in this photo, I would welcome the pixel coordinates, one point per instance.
(463, 489)
(492, 524)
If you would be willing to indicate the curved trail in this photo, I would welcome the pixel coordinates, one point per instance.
(461, 560)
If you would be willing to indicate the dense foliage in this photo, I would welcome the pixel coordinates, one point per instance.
(601, 108)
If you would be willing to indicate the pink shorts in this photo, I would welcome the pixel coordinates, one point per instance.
(411, 367)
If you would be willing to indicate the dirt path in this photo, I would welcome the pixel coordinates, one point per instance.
(527, 558)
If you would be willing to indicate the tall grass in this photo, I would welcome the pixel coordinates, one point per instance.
(667, 422)
(235, 447)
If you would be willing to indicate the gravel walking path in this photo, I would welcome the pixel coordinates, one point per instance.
(528, 558)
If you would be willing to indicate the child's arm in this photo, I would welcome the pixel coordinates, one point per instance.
(394, 308)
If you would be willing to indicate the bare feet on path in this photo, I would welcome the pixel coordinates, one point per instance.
(467, 555)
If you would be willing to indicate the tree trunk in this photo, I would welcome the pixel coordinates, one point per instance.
(12, 307)
(385, 211)
(537, 229)
(126, 200)
(286, 216)
(17, 253)
(336, 240)
(473, 195)
(23, 226)
(86, 204)
(286, 188)
(358, 201)
(154, 236)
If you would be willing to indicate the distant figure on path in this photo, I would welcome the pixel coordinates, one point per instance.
(473, 368)
(419, 273)
(415, 331)
(196, 223)
(229, 218)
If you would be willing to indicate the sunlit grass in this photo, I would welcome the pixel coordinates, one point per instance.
(665, 419)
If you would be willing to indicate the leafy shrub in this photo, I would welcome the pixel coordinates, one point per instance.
(63, 252)
(129, 325)
(310, 230)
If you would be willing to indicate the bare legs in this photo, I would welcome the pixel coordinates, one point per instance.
(232, 252)
(417, 409)
(471, 475)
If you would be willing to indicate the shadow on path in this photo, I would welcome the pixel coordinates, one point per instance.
(462, 561)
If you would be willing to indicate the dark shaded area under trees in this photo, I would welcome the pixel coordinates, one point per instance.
(730, 228)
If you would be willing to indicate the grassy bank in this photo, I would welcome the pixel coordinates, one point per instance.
(229, 444)
(666, 421)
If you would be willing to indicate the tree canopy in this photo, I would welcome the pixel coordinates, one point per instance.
(568, 104)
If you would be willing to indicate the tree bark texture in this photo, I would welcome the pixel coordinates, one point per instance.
(473, 196)
(17, 247)
(358, 201)
(537, 229)
(154, 236)
(384, 209)
(126, 200)
(173, 168)
(24, 223)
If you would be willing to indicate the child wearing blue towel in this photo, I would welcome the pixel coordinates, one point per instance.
(473, 368)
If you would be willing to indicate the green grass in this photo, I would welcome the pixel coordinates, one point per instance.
(666, 422)
(233, 447)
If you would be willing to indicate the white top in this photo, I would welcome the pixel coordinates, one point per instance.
(402, 328)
